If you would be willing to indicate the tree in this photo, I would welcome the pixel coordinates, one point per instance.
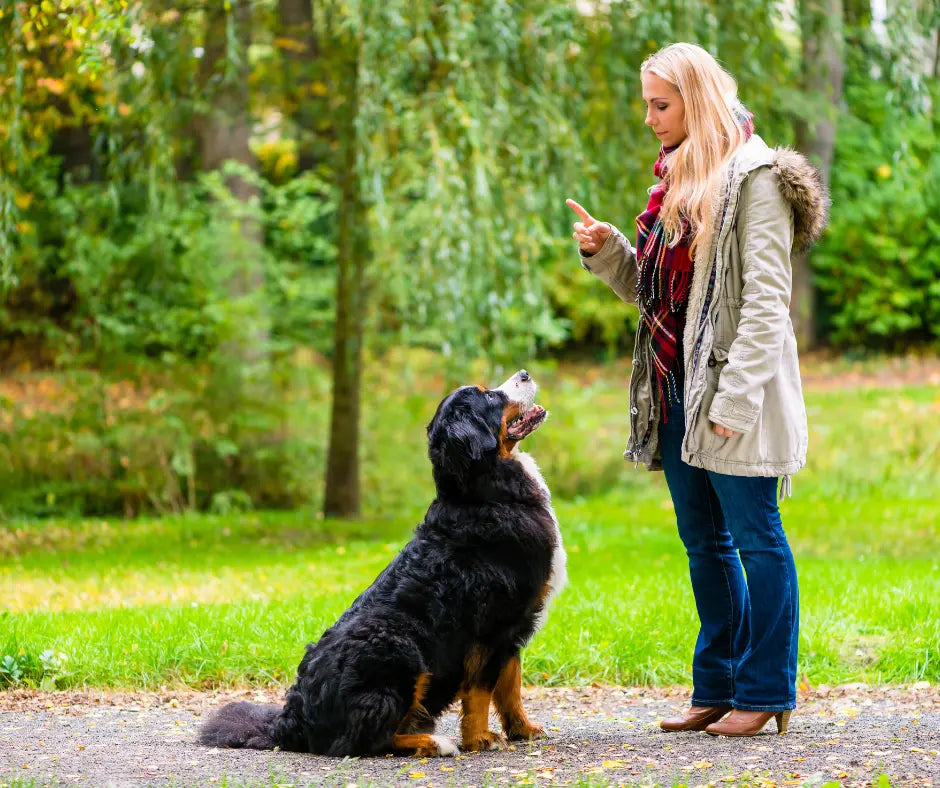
(821, 31)
(342, 494)
(223, 130)
(303, 99)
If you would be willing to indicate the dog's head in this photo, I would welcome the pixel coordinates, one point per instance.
(475, 426)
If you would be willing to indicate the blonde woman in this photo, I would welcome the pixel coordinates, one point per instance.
(715, 394)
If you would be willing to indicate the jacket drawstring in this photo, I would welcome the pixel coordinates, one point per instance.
(786, 487)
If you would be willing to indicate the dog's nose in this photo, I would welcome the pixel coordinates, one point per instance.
(523, 375)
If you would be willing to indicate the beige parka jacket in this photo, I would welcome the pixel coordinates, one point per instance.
(739, 350)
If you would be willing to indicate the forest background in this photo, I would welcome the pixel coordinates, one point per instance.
(230, 231)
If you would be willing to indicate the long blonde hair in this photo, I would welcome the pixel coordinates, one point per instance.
(713, 134)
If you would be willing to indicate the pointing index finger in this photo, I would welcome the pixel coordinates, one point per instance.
(585, 216)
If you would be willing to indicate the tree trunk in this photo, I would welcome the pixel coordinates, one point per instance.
(223, 134)
(303, 105)
(821, 27)
(341, 497)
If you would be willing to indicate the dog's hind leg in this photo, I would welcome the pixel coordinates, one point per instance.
(415, 734)
(507, 696)
(382, 720)
(417, 719)
(371, 728)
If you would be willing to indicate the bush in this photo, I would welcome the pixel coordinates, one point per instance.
(85, 443)
(878, 268)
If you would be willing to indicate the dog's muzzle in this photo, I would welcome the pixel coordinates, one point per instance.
(521, 389)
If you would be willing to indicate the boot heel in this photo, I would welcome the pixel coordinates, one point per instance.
(783, 719)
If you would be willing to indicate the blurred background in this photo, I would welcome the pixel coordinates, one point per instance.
(214, 215)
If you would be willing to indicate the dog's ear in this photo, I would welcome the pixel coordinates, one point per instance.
(454, 445)
(472, 436)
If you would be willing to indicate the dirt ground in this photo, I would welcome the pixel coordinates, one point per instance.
(850, 735)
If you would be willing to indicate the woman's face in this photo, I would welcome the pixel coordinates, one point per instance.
(665, 109)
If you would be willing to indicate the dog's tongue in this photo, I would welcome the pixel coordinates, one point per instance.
(533, 417)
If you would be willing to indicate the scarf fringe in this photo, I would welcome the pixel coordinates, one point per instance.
(664, 281)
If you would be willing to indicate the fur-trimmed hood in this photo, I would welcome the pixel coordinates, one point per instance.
(800, 184)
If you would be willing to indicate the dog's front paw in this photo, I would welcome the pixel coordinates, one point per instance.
(484, 741)
(526, 731)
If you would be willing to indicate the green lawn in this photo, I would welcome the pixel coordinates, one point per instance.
(207, 601)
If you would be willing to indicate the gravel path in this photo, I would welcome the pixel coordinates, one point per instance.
(850, 734)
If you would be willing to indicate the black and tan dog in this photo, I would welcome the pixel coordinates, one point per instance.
(447, 618)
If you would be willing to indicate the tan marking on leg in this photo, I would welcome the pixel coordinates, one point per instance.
(417, 719)
(508, 699)
(474, 721)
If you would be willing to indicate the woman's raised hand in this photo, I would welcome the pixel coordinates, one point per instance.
(589, 233)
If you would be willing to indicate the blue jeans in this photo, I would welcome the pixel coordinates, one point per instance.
(745, 654)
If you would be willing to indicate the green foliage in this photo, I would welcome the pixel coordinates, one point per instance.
(211, 294)
(878, 269)
(83, 443)
(473, 123)
(48, 671)
(125, 273)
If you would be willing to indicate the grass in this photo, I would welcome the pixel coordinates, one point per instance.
(201, 601)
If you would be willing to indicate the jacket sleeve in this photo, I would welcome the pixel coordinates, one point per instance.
(614, 264)
(754, 356)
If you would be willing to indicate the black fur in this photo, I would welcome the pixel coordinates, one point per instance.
(470, 581)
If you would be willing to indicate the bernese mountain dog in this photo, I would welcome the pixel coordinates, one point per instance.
(447, 618)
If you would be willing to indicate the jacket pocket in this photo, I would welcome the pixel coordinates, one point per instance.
(727, 315)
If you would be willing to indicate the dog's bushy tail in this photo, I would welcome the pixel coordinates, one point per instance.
(242, 725)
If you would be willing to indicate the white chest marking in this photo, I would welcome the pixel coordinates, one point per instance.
(559, 574)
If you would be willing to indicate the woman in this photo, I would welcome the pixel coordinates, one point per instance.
(715, 394)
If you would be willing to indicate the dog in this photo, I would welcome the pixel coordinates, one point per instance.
(447, 619)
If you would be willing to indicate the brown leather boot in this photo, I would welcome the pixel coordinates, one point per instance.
(696, 718)
(748, 723)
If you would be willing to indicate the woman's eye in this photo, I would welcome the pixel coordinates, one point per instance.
(662, 107)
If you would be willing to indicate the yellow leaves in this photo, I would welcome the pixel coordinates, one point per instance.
(23, 200)
(416, 775)
(123, 110)
(319, 89)
(884, 171)
(290, 44)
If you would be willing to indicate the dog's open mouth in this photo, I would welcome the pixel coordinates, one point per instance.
(526, 423)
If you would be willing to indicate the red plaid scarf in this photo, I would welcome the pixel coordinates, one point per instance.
(664, 278)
